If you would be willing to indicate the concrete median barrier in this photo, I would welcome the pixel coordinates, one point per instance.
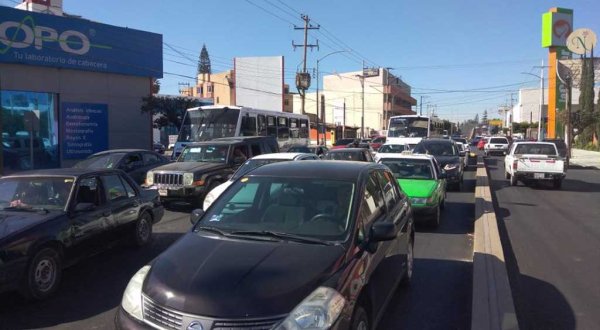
(492, 305)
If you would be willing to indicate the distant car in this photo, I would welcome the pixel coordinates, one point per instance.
(135, 162)
(52, 218)
(561, 146)
(448, 157)
(390, 148)
(251, 164)
(377, 142)
(293, 245)
(421, 178)
(461, 140)
(159, 148)
(352, 154)
(481, 143)
(496, 145)
(342, 143)
(311, 149)
(475, 141)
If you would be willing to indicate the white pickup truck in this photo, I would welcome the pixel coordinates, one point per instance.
(534, 161)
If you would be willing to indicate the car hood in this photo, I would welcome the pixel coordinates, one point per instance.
(190, 166)
(443, 160)
(417, 187)
(213, 276)
(17, 221)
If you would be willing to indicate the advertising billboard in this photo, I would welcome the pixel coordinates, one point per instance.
(556, 27)
(259, 82)
(84, 128)
(73, 43)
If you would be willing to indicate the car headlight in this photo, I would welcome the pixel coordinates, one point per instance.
(188, 179)
(132, 298)
(450, 167)
(318, 311)
(149, 178)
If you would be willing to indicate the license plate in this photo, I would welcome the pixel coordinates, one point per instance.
(163, 192)
(538, 175)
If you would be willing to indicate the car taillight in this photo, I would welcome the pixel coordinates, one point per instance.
(514, 165)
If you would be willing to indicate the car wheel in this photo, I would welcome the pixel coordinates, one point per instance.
(557, 183)
(360, 320)
(513, 180)
(143, 229)
(435, 222)
(409, 264)
(43, 274)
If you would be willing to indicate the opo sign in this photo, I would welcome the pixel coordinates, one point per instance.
(20, 35)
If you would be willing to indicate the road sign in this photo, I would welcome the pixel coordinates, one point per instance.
(582, 41)
(370, 72)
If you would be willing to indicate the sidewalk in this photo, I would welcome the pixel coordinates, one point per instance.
(585, 158)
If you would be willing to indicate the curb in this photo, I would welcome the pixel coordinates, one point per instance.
(492, 303)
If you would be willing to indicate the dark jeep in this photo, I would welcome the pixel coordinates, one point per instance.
(204, 165)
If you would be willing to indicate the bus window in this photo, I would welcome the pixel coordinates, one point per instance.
(271, 126)
(262, 125)
(294, 133)
(282, 122)
(283, 133)
(303, 133)
(248, 127)
(293, 122)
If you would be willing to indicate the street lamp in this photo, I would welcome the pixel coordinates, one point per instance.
(318, 108)
(541, 77)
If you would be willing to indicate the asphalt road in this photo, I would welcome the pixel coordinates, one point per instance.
(438, 298)
(551, 241)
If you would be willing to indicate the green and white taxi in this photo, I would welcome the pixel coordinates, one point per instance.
(421, 178)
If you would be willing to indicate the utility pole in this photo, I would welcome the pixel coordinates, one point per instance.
(362, 116)
(303, 80)
(344, 121)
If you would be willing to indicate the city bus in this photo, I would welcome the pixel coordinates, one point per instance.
(211, 122)
(410, 129)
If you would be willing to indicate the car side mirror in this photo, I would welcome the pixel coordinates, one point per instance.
(383, 231)
(196, 215)
(82, 207)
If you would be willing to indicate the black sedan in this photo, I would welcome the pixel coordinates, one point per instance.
(352, 154)
(291, 245)
(135, 162)
(51, 218)
(446, 153)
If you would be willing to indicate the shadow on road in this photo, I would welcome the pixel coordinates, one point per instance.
(527, 290)
(89, 288)
(439, 297)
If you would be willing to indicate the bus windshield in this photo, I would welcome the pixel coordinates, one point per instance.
(408, 127)
(208, 124)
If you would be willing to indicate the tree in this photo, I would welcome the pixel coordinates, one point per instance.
(204, 62)
(586, 119)
(155, 86)
(477, 118)
(167, 111)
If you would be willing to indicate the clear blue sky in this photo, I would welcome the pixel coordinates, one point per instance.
(432, 44)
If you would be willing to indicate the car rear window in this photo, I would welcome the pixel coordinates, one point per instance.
(499, 140)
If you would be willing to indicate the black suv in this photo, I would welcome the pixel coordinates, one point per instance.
(204, 165)
(447, 155)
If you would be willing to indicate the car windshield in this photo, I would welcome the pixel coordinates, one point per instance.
(498, 141)
(435, 149)
(392, 148)
(252, 164)
(109, 160)
(300, 149)
(535, 149)
(343, 142)
(345, 155)
(409, 168)
(35, 193)
(314, 208)
(205, 153)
